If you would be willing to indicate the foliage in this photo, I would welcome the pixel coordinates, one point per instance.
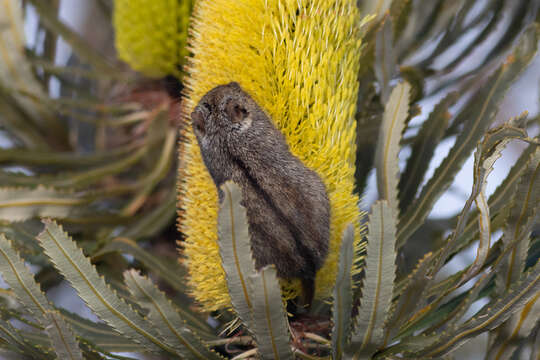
(96, 160)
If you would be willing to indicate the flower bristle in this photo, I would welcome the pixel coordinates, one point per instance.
(299, 61)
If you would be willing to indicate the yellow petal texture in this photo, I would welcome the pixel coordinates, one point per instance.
(299, 61)
(151, 35)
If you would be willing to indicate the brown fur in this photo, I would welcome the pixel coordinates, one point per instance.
(287, 205)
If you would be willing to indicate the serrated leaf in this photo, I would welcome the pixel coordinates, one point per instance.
(518, 225)
(62, 338)
(15, 69)
(17, 341)
(450, 320)
(157, 174)
(12, 355)
(524, 203)
(269, 317)
(99, 297)
(100, 334)
(535, 346)
(487, 153)
(400, 11)
(68, 72)
(170, 271)
(386, 156)
(83, 50)
(76, 180)
(10, 335)
(21, 281)
(407, 298)
(80, 179)
(235, 250)
(423, 148)
(342, 302)
(385, 64)
(427, 21)
(498, 200)
(514, 330)
(429, 313)
(73, 160)
(495, 19)
(18, 204)
(19, 124)
(165, 318)
(153, 222)
(460, 24)
(376, 7)
(88, 346)
(491, 316)
(476, 115)
(378, 282)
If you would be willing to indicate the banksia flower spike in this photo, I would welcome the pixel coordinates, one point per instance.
(299, 61)
(151, 35)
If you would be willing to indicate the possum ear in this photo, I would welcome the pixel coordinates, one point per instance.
(197, 120)
(236, 112)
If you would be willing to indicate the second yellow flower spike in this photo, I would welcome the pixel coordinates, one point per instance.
(151, 35)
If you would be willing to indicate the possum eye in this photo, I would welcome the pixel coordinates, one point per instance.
(206, 107)
(236, 112)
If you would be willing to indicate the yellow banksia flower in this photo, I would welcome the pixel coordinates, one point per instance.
(151, 36)
(299, 60)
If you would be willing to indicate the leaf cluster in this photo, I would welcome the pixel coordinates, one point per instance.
(97, 161)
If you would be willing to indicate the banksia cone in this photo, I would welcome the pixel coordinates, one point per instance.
(299, 61)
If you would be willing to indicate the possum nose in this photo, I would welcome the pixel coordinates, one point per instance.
(197, 120)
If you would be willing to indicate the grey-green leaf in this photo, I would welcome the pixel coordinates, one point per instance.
(269, 316)
(235, 250)
(17, 342)
(523, 205)
(18, 204)
(407, 297)
(378, 282)
(91, 287)
(166, 268)
(423, 148)
(27, 291)
(100, 334)
(517, 328)
(342, 304)
(20, 124)
(165, 318)
(21, 281)
(491, 316)
(476, 115)
(16, 70)
(488, 151)
(518, 226)
(377, 7)
(83, 49)
(386, 156)
(499, 199)
(170, 271)
(63, 339)
(385, 64)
